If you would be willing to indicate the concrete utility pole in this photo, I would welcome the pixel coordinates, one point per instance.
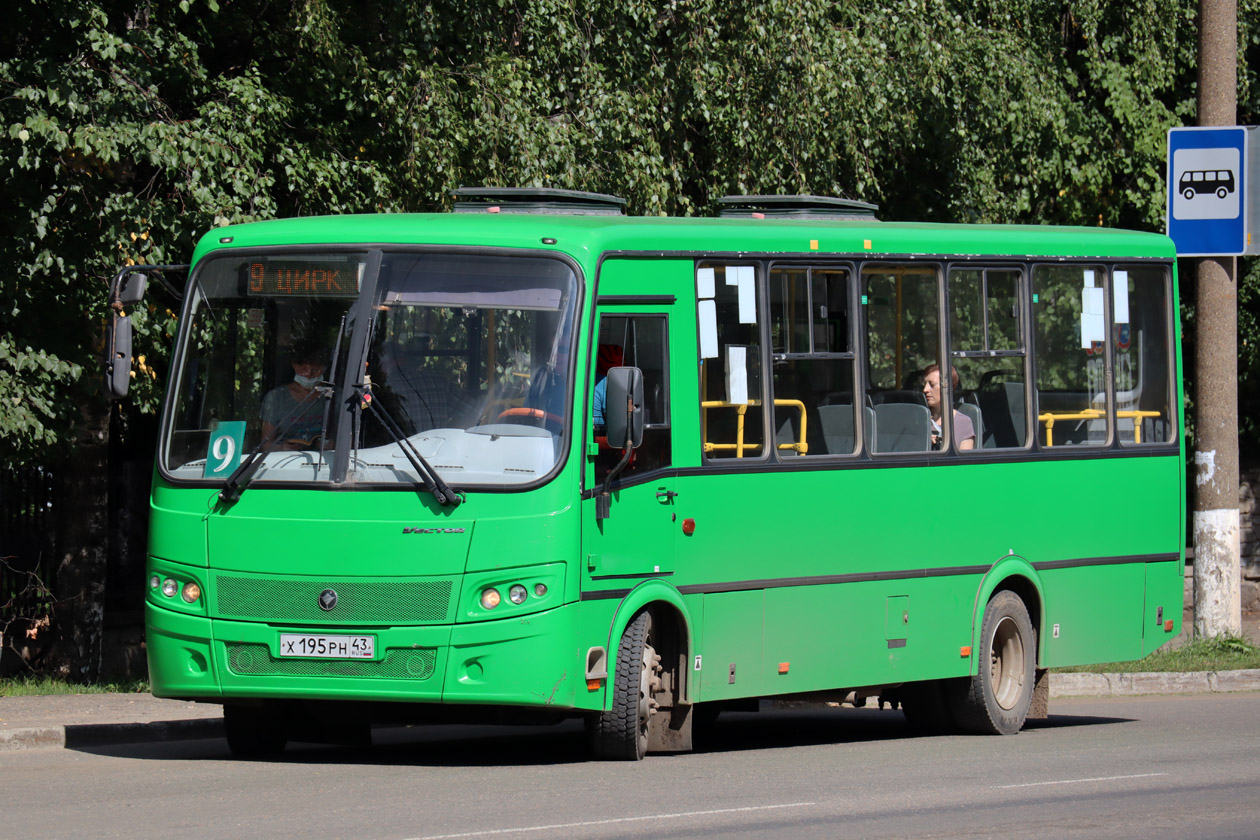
(1217, 588)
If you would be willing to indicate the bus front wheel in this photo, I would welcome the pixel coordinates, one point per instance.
(995, 701)
(622, 731)
(1187, 193)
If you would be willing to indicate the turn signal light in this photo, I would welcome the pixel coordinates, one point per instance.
(191, 592)
(490, 599)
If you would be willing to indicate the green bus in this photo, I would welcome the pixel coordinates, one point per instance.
(536, 459)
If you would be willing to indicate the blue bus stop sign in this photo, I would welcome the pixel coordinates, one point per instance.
(1211, 200)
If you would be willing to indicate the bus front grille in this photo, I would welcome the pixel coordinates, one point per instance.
(254, 660)
(285, 600)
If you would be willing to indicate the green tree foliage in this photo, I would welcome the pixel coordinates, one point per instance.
(132, 127)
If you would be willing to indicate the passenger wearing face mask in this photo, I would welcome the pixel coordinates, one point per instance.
(299, 399)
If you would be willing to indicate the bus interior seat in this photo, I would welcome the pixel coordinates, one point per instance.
(902, 427)
(788, 432)
(1002, 406)
(897, 396)
(913, 381)
(836, 420)
(841, 398)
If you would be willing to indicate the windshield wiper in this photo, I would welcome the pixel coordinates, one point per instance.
(236, 482)
(429, 477)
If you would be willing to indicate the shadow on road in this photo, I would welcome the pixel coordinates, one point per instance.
(565, 743)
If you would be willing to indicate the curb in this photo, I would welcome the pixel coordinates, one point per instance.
(75, 736)
(1153, 682)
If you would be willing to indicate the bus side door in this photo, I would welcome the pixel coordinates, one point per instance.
(636, 539)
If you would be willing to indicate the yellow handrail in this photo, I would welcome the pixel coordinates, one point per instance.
(740, 410)
(1050, 417)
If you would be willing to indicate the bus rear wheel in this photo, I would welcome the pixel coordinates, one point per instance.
(995, 701)
(622, 731)
(253, 731)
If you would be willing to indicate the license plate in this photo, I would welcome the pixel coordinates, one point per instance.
(306, 645)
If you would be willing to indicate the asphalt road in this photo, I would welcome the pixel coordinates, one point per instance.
(1125, 767)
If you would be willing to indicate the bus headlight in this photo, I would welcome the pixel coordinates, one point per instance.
(517, 594)
(169, 587)
(490, 598)
(191, 592)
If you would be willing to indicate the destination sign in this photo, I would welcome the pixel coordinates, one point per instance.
(305, 278)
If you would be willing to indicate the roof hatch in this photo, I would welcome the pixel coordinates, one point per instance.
(796, 207)
(536, 200)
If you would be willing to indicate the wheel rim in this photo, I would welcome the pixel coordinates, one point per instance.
(1008, 669)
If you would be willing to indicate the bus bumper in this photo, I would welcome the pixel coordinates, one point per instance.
(530, 660)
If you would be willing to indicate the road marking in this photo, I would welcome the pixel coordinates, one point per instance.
(588, 824)
(1079, 781)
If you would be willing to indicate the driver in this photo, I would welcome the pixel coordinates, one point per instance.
(297, 400)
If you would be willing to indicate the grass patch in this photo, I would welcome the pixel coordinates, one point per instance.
(1226, 653)
(31, 686)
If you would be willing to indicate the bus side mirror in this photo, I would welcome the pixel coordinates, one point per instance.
(131, 288)
(623, 407)
(118, 357)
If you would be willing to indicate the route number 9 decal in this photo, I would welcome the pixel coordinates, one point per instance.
(223, 454)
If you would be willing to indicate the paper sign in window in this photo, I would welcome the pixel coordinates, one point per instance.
(1120, 297)
(1093, 324)
(736, 374)
(708, 329)
(746, 280)
(705, 287)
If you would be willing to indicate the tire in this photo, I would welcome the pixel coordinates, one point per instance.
(253, 732)
(995, 701)
(1187, 194)
(1221, 192)
(621, 733)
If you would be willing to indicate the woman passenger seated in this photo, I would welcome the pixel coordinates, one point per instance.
(964, 431)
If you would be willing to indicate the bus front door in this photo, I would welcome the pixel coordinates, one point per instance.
(636, 539)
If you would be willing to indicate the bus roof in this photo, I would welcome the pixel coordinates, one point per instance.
(586, 237)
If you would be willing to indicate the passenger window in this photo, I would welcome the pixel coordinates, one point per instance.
(732, 418)
(813, 361)
(1141, 328)
(988, 353)
(1069, 309)
(903, 340)
(634, 341)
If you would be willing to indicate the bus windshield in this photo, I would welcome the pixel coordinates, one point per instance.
(467, 358)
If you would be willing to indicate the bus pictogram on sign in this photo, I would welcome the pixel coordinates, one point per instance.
(1218, 182)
